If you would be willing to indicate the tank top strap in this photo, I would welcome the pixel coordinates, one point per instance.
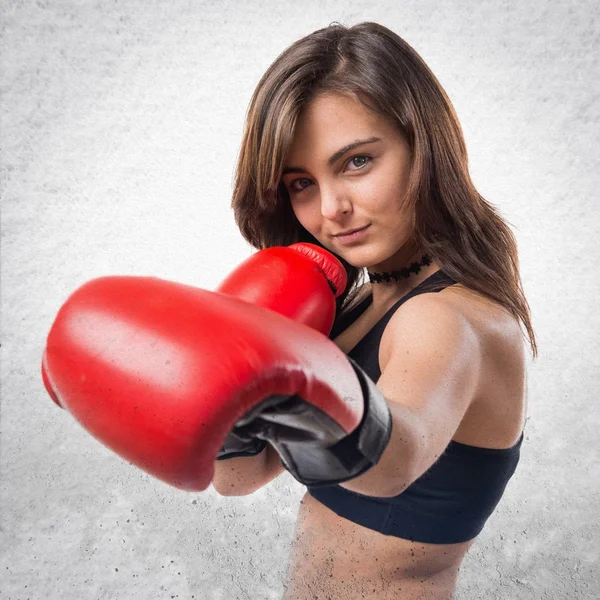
(436, 282)
(366, 351)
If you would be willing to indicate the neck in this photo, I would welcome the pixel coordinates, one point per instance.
(388, 287)
(399, 274)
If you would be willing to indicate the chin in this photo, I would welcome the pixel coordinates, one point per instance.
(360, 258)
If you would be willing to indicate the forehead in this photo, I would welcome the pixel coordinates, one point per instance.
(331, 105)
(331, 121)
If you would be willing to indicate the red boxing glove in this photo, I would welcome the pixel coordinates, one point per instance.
(296, 281)
(161, 372)
(267, 278)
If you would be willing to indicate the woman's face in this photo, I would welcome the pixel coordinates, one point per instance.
(333, 190)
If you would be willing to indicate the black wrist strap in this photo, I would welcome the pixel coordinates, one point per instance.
(317, 466)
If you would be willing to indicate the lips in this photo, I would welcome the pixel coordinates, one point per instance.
(351, 231)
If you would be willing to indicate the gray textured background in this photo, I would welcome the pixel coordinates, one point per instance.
(121, 123)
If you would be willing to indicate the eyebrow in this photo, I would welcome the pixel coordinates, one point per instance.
(335, 155)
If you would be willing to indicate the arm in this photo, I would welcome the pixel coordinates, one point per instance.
(430, 370)
(246, 474)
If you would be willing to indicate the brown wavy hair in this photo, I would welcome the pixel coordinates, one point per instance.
(454, 224)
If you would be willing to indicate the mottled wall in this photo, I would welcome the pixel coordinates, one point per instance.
(121, 123)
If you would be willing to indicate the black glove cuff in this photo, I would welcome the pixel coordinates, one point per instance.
(234, 447)
(318, 466)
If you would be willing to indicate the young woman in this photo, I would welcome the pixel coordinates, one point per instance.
(349, 131)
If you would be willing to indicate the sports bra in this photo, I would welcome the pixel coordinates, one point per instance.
(453, 499)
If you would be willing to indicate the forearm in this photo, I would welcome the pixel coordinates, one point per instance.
(396, 468)
(245, 474)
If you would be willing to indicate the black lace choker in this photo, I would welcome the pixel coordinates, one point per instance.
(402, 273)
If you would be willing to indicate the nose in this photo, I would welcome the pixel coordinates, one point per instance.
(334, 202)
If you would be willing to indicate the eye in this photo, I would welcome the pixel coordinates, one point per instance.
(364, 157)
(359, 161)
(293, 188)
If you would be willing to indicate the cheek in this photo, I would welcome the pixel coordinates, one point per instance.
(298, 212)
(390, 201)
(307, 211)
(389, 187)
(306, 216)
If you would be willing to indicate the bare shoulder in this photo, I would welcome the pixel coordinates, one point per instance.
(429, 316)
(495, 326)
(496, 414)
(498, 332)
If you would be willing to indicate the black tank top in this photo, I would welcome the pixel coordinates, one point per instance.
(450, 502)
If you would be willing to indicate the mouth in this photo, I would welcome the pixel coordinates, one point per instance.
(352, 236)
(350, 232)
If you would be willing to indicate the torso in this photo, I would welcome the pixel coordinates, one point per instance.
(333, 558)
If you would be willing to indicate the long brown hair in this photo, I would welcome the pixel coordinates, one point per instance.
(454, 224)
